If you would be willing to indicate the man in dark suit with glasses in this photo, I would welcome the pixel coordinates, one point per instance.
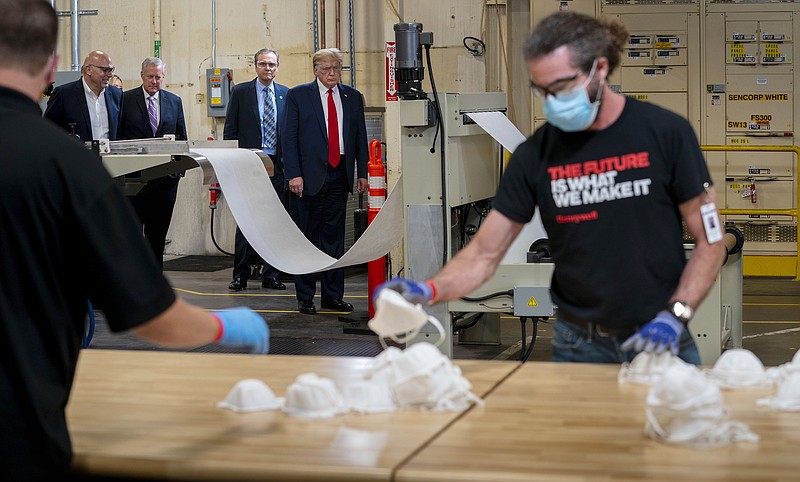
(89, 108)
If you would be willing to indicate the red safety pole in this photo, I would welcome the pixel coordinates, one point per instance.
(376, 270)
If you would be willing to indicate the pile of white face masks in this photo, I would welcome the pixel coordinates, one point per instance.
(422, 377)
(684, 407)
(419, 377)
(739, 369)
(787, 377)
(646, 368)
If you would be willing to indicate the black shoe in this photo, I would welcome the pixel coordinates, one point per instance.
(238, 284)
(273, 284)
(337, 305)
(306, 307)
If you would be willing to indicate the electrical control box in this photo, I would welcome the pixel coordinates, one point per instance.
(218, 91)
(661, 62)
(750, 98)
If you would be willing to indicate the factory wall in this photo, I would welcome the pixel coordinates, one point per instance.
(130, 31)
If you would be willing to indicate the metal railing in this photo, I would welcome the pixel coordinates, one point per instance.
(782, 212)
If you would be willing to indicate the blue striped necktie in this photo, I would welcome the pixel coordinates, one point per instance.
(152, 114)
(270, 133)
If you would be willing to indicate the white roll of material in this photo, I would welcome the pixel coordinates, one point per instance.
(271, 231)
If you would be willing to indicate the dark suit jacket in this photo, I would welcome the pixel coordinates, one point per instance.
(243, 119)
(305, 136)
(68, 105)
(135, 123)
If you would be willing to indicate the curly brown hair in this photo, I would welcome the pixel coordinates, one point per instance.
(587, 38)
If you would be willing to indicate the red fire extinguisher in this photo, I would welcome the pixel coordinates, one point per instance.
(376, 171)
(753, 195)
(214, 192)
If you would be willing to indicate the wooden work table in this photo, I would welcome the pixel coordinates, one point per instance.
(153, 415)
(569, 422)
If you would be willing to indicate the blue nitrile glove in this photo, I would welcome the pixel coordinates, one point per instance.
(418, 293)
(661, 334)
(243, 327)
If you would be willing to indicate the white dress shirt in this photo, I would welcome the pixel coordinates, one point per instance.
(323, 94)
(98, 113)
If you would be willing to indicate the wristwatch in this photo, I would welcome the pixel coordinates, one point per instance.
(681, 310)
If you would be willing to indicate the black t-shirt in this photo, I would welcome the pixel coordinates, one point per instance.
(68, 235)
(609, 202)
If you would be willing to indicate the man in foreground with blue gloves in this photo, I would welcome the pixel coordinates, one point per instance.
(71, 236)
(612, 178)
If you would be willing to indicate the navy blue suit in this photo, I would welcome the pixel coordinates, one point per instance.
(243, 123)
(68, 106)
(135, 123)
(321, 211)
(155, 202)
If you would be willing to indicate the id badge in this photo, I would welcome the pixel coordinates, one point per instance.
(711, 222)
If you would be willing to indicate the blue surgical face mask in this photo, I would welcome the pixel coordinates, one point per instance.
(570, 110)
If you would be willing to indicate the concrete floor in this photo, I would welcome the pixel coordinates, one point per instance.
(771, 313)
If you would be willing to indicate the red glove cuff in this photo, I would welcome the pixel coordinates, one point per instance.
(434, 291)
(220, 328)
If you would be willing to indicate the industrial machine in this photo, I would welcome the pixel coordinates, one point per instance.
(454, 167)
(717, 322)
(134, 162)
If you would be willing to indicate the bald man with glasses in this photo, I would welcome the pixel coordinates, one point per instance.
(89, 108)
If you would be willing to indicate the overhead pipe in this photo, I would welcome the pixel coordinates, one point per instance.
(214, 56)
(74, 19)
(352, 44)
(314, 24)
(213, 34)
(322, 24)
(338, 23)
(157, 29)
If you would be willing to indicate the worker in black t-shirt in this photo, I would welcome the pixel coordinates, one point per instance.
(69, 235)
(613, 179)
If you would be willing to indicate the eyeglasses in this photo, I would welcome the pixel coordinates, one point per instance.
(266, 65)
(331, 68)
(543, 92)
(106, 70)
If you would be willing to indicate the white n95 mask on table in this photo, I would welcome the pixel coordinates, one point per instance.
(399, 320)
(646, 367)
(776, 374)
(684, 407)
(313, 397)
(739, 368)
(788, 396)
(251, 395)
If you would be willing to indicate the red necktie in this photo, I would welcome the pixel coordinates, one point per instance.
(333, 132)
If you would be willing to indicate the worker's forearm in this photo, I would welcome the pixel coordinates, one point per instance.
(699, 274)
(477, 262)
(181, 325)
(463, 274)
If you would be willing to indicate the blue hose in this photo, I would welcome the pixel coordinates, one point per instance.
(87, 336)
